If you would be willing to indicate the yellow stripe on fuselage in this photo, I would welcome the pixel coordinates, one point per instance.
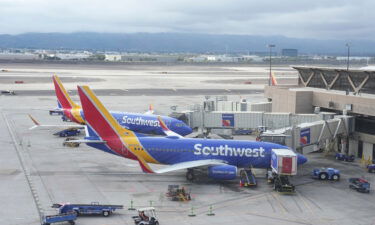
(128, 137)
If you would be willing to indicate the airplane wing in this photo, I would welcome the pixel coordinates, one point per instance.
(191, 164)
(150, 110)
(166, 130)
(86, 141)
(63, 126)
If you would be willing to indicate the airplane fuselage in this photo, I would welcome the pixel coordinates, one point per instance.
(137, 122)
(169, 151)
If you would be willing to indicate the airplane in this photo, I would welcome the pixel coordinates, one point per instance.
(273, 79)
(219, 157)
(143, 123)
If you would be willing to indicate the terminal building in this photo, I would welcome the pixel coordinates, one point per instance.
(341, 91)
(332, 110)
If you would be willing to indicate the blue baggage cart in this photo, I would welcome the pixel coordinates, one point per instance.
(64, 217)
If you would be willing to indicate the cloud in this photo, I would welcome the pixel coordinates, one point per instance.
(320, 19)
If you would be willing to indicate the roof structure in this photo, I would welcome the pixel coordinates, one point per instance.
(337, 79)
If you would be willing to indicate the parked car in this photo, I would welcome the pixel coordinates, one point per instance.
(344, 157)
(371, 168)
(326, 174)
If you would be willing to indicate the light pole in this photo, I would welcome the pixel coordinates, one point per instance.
(347, 61)
(270, 77)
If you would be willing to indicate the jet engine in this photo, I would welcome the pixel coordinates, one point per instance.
(224, 172)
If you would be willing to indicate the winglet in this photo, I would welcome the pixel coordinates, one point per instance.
(37, 124)
(166, 130)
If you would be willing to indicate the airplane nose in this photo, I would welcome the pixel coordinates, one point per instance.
(301, 159)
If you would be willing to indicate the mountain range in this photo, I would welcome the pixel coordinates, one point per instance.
(182, 43)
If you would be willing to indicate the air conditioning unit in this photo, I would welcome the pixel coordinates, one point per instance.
(331, 104)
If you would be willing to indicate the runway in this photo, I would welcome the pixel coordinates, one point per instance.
(147, 92)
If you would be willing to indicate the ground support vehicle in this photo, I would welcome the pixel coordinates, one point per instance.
(67, 142)
(87, 209)
(282, 184)
(64, 217)
(8, 92)
(371, 168)
(68, 132)
(326, 174)
(344, 157)
(242, 132)
(146, 216)
(247, 178)
(360, 185)
(56, 112)
(175, 193)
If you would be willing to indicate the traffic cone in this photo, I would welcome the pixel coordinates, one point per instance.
(210, 211)
(192, 214)
(131, 205)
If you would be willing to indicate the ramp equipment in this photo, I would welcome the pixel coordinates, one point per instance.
(326, 174)
(87, 209)
(359, 184)
(247, 178)
(64, 217)
(68, 132)
(175, 193)
(283, 165)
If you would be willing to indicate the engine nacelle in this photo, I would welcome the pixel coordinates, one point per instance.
(224, 172)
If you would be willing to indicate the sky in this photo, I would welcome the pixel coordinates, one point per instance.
(317, 19)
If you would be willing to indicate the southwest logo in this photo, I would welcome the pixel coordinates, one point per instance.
(140, 121)
(225, 150)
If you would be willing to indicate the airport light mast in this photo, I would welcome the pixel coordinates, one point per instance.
(270, 76)
(347, 62)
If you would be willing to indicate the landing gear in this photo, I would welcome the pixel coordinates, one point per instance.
(190, 175)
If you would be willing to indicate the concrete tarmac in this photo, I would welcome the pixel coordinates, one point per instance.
(37, 171)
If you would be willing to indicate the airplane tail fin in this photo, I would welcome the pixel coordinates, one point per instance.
(63, 98)
(273, 79)
(106, 126)
(150, 110)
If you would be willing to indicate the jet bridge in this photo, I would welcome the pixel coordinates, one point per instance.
(329, 135)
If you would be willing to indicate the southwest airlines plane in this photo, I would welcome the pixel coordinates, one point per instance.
(220, 158)
(143, 123)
